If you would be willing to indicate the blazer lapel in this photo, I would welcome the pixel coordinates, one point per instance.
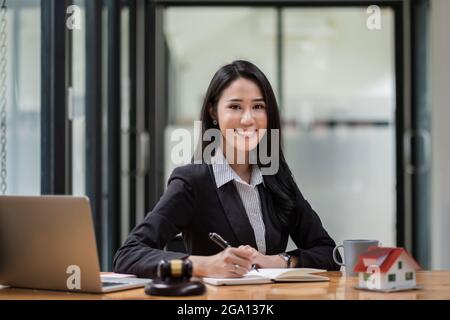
(273, 236)
(236, 215)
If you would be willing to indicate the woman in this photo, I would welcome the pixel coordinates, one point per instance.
(255, 213)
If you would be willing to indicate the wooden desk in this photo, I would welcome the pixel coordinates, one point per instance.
(436, 285)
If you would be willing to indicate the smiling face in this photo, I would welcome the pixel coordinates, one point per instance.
(241, 114)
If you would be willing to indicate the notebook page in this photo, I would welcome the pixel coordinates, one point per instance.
(284, 272)
(246, 279)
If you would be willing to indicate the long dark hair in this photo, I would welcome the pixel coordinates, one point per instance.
(281, 185)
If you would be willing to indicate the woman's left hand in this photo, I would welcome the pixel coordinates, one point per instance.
(265, 261)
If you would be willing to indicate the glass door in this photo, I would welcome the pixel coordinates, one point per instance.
(339, 117)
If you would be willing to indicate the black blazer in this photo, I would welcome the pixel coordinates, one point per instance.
(193, 205)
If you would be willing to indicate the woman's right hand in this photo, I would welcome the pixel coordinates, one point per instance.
(229, 263)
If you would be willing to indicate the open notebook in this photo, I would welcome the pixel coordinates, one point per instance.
(271, 275)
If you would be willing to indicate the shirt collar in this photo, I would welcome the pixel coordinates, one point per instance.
(223, 173)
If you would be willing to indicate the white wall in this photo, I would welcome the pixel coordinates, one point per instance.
(440, 104)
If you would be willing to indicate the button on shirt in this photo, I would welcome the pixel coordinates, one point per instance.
(248, 193)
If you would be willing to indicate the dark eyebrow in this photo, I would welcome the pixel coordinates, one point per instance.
(240, 100)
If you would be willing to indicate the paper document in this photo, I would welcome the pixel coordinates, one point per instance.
(110, 275)
(271, 275)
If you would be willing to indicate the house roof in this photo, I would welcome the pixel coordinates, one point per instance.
(383, 257)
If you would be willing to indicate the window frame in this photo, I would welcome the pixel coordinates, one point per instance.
(392, 277)
(55, 146)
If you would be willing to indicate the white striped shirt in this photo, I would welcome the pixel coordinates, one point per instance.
(248, 193)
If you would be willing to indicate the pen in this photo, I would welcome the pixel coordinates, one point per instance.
(219, 240)
(223, 243)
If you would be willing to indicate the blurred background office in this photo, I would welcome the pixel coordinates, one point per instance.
(91, 91)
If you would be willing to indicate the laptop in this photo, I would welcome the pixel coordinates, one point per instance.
(48, 242)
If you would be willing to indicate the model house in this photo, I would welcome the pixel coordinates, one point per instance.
(386, 268)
